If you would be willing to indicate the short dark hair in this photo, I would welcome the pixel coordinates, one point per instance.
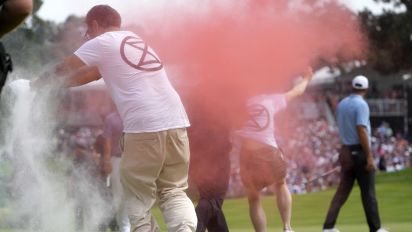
(359, 91)
(104, 15)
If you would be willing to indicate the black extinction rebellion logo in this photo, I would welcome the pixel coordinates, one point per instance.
(259, 117)
(138, 55)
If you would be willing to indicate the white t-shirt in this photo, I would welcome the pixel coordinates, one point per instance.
(137, 81)
(261, 123)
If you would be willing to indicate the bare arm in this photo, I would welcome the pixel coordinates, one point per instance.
(74, 72)
(107, 148)
(70, 64)
(107, 156)
(83, 76)
(13, 13)
(364, 141)
(300, 88)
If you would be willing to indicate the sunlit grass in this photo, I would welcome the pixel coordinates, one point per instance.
(394, 191)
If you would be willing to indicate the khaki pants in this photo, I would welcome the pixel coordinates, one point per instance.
(155, 165)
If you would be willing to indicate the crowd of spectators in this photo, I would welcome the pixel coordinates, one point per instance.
(310, 145)
(312, 148)
(392, 152)
(309, 140)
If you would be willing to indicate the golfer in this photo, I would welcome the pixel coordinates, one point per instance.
(356, 157)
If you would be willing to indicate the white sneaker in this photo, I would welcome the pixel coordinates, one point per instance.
(331, 230)
(382, 230)
(287, 230)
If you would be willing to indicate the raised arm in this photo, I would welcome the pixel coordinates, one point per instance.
(300, 88)
(13, 13)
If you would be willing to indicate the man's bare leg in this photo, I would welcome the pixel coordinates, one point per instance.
(284, 202)
(256, 212)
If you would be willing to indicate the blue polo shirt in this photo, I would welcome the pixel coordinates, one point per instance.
(351, 112)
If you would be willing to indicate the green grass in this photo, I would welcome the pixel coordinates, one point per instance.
(394, 191)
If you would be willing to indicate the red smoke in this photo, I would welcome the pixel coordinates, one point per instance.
(229, 51)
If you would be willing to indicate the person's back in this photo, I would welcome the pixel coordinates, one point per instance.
(209, 164)
(348, 112)
(137, 81)
(261, 124)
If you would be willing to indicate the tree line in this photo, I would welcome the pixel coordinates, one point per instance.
(389, 36)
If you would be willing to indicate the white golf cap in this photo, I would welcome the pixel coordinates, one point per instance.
(360, 82)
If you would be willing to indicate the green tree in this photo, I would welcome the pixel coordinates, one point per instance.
(390, 37)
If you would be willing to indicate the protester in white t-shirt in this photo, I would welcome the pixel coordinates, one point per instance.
(261, 161)
(155, 157)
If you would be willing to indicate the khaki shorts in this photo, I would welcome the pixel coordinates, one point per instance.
(262, 167)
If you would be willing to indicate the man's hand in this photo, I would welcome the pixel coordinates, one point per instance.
(308, 74)
(300, 88)
(37, 83)
(370, 164)
(70, 73)
(44, 79)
